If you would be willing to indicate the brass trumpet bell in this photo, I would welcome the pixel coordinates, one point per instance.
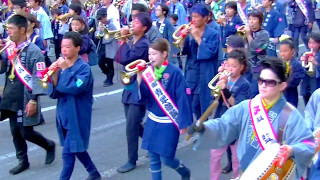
(216, 90)
(130, 70)
(307, 64)
(179, 37)
(44, 80)
(241, 32)
(64, 16)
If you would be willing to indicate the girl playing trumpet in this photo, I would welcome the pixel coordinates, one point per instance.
(311, 81)
(170, 112)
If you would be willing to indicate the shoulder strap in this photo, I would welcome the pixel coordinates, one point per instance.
(284, 116)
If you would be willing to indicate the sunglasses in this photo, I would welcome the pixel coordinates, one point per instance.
(268, 82)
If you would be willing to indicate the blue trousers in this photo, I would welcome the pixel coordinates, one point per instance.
(69, 159)
(155, 164)
(296, 31)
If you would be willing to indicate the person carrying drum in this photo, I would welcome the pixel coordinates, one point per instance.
(261, 122)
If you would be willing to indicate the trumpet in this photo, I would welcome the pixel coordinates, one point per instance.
(107, 34)
(90, 3)
(150, 5)
(307, 64)
(216, 90)
(6, 46)
(119, 4)
(48, 72)
(179, 37)
(63, 16)
(241, 32)
(218, 17)
(53, 7)
(131, 70)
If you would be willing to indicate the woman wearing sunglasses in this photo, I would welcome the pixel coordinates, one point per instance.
(257, 123)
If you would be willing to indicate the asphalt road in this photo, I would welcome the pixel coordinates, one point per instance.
(107, 143)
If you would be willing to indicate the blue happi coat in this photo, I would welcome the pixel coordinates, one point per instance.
(312, 117)
(126, 54)
(231, 29)
(235, 123)
(179, 10)
(240, 91)
(162, 138)
(297, 73)
(166, 30)
(74, 93)
(201, 64)
(273, 24)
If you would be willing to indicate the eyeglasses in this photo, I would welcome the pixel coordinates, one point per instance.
(268, 82)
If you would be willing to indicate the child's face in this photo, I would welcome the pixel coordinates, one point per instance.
(230, 12)
(234, 67)
(76, 26)
(104, 20)
(312, 44)
(266, 3)
(285, 52)
(72, 12)
(173, 21)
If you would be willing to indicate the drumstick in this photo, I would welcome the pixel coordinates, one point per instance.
(205, 116)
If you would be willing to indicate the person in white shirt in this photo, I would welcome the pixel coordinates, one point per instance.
(113, 13)
(45, 31)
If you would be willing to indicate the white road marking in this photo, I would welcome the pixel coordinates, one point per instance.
(50, 108)
(94, 130)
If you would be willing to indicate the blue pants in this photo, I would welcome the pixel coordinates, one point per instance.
(69, 159)
(308, 86)
(296, 31)
(315, 171)
(155, 164)
(254, 85)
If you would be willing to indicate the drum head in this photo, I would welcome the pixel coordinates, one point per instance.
(262, 167)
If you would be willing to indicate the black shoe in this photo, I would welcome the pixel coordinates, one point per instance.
(95, 176)
(184, 172)
(22, 166)
(51, 151)
(126, 168)
(227, 169)
(107, 84)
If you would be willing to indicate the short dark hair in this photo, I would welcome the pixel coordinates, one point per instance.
(140, 7)
(241, 56)
(19, 20)
(38, 1)
(174, 17)
(58, 11)
(314, 36)
(76, 7)
(256, 14)
(21, 3)
(75, 37)
(161, 45)
(235, 41)
(288, 42)
(276, 65)
(232, 5)
(164, 8)
(145, 20)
